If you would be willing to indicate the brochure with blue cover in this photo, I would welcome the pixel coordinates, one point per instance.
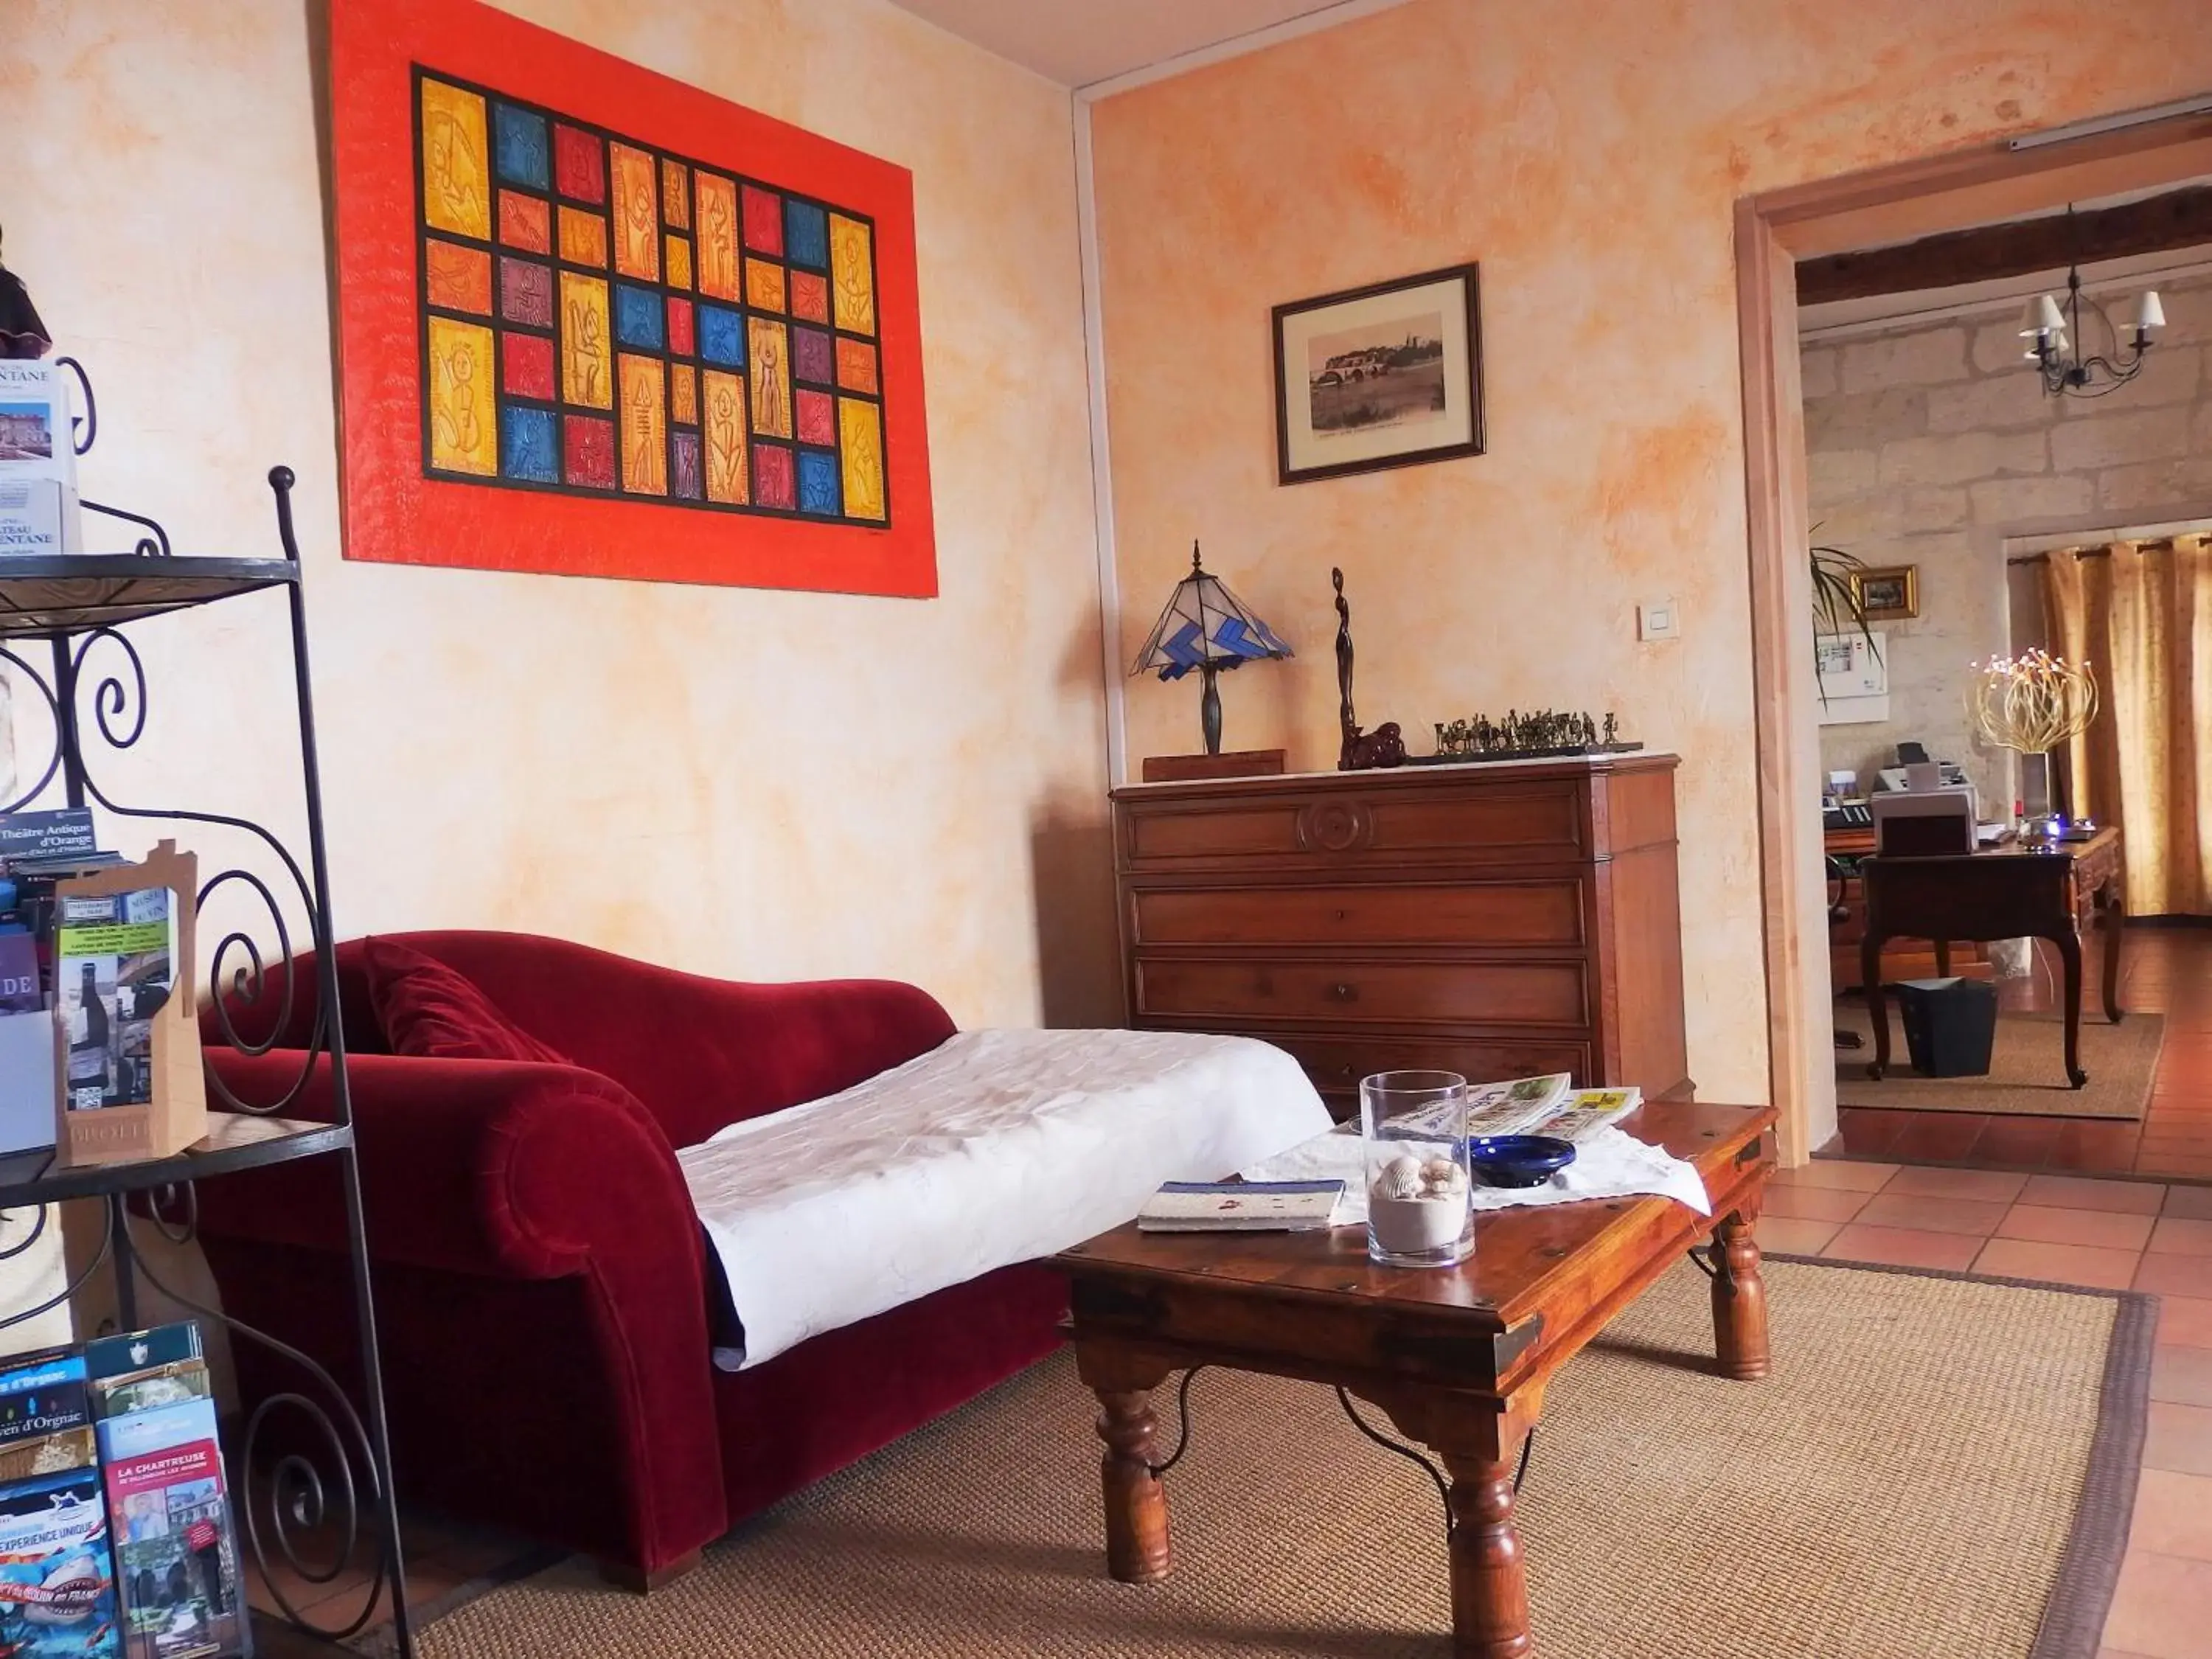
(176, 1553)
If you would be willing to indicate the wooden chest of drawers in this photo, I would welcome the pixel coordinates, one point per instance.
(1490, 919)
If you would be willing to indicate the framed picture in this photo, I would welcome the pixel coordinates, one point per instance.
(1887, 592)
(1384, 375)
(595, 322)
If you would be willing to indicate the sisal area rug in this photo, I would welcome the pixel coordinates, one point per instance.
(2027, 1067)
(1939, 1469)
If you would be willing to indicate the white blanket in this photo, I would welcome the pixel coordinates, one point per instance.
(995, 1148)
(1609, 1164)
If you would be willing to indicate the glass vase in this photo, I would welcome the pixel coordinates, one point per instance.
(1420, 1192)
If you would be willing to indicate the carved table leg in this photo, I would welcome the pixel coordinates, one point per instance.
(1489, 1581)
(2069, 956)
(1136, 1504)
(1877, 1010)
(1739, 1300)
(1478, 1439)
(2113, 907)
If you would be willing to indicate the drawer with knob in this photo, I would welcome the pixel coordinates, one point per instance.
(1409, 821)
(1364, 992)
(1489, 912)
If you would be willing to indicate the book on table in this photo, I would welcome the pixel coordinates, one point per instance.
(1241, 1206)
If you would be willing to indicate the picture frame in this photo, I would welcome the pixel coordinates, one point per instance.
(1888, 592)
(594, 321)
(1390, 374)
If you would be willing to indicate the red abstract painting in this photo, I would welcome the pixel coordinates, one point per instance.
(545, 254)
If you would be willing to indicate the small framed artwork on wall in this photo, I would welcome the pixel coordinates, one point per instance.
(1888, 592)
(1385, 375)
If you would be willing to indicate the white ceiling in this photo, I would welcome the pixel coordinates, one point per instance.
(1077, 42)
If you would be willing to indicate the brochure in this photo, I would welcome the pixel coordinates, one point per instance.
(39, 511)
(114, 962)
(65, 832)
(176, 1553)
(57, 1585)
(57, 1588)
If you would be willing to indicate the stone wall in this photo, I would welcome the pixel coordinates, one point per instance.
(1929, 444)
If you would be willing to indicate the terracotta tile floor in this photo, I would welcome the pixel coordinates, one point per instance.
(2162, 970)
(2119, 1234)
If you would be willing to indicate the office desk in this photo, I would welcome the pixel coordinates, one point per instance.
(1907, 958)
(2006, 893)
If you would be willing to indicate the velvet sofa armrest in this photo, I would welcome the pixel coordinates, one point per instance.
(520, 1171)
(488, 1167)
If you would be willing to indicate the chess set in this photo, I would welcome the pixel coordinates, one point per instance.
(1540, 734)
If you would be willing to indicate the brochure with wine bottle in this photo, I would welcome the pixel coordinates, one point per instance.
(114, 966)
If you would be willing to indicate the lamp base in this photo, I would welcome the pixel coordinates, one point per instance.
(1236, 763)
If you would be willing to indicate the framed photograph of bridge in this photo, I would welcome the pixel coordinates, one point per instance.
(1385, 375)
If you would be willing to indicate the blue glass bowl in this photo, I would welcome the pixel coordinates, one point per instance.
(1518, 1160)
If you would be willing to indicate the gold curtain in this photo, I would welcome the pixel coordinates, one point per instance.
(2142, 614)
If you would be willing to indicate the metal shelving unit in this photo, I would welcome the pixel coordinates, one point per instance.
(95, 685)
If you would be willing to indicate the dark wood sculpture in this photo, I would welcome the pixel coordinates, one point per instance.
(1382, 747)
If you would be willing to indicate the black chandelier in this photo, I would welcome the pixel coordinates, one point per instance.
(2052, 328)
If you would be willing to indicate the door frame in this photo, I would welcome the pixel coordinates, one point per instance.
(1773, 231)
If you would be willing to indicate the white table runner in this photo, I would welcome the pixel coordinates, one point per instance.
(1609, 1164)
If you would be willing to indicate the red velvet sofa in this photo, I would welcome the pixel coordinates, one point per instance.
(542, 1285)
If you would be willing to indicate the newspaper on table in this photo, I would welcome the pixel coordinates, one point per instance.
(1586, 1111)
(1546, 1105)
(1514, 1108)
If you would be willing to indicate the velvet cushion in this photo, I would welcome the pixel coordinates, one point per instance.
(428, 1010)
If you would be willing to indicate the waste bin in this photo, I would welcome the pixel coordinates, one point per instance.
(1950, 1025)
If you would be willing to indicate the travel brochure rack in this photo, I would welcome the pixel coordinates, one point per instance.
(94, 687)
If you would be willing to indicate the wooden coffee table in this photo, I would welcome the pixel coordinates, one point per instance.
(1456, 1356)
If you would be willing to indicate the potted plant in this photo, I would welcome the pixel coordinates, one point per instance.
(1836, 606)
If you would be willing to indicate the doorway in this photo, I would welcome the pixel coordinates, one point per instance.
(1774, 233)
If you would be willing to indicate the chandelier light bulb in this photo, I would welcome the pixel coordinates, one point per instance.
(2150, 312)
(2044, 317)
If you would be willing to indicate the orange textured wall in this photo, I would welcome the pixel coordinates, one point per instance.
(1589, 153)
(767, 784)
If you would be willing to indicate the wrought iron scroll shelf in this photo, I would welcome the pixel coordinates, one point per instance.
(312, 1470)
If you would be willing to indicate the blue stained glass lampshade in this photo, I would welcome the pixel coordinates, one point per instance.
(1205, 622)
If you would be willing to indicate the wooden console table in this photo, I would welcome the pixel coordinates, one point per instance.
(2008, 893)
(1458, 1357)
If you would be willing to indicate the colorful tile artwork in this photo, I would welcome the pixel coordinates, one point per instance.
(603, 317)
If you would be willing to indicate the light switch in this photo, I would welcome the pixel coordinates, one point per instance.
(1657, 619)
